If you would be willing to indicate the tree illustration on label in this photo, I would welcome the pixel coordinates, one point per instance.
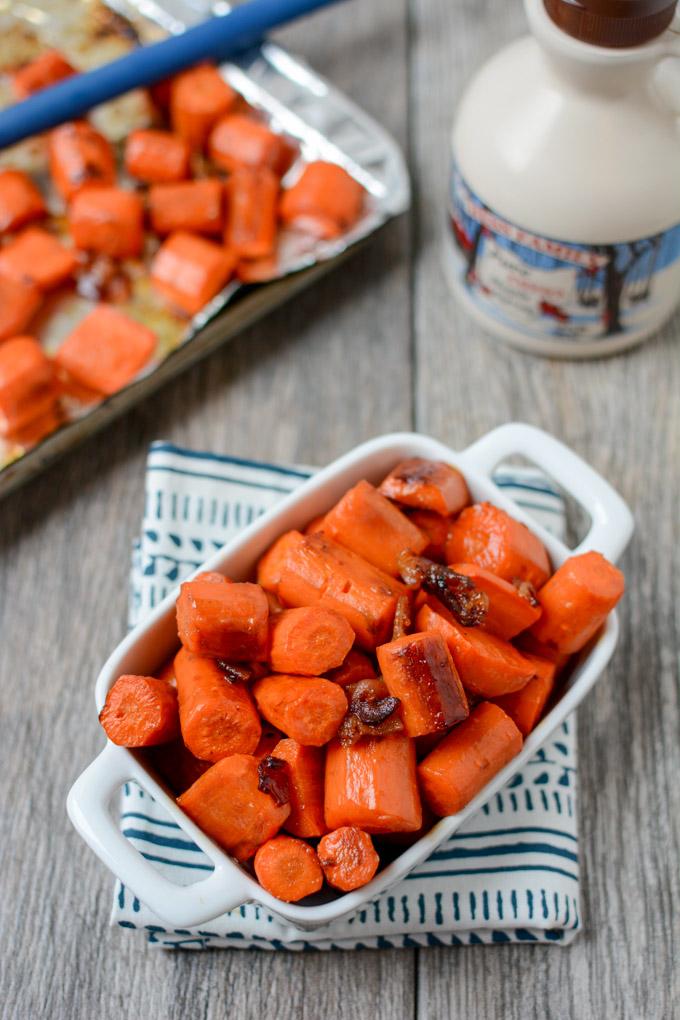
(621, 262)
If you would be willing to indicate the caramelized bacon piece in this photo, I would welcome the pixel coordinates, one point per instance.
(372, 713)
(455, 591)
(272, 778)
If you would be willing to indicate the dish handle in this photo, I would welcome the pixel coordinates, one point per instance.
(89, 808)
(611, 522)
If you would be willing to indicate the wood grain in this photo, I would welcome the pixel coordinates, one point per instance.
(378, 346)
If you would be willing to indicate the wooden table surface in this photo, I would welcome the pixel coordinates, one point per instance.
(380, 345)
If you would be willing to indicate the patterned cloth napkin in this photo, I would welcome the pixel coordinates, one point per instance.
(510, 874)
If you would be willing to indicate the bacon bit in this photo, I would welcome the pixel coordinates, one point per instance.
(234, 674)
(374, 712)
(273, 779)
(369, 715)
(402, 617)
(458, 593)
(526, 590)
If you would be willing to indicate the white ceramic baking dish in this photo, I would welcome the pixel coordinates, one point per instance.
(92, 804)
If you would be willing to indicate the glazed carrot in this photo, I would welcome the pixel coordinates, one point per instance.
(525, 706)
(212, 575)
(239, 141)
(107, 220)
(464, 762)
(189, 271)
(228, 803)
(305, 773)
(427, 485)
(252, 197)
(348, 858)
(26, 383)
(80, 157)
(19, 302)
(325, 201)
(267, 742)
(20, 200)
(257, 270)
(576, 601)
(372, 784)
(218, 718)
(198, 98)
(140, 711)
(356, 666)
(308, 570)
(309, 640)
(46, 69)
(38, 427)
(436, 531)
(418, 669)
(288, 868)
(315, 526)
(187, 205)
(308, 709)
(487, 666)
(155, 156)
(509, 611)
(368, 524)
(176, 765)
(106, 350)
(527, 643)
(226, 621)
(38, 257)
(489, 537)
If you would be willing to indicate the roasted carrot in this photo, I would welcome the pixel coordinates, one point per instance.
(305, 773)
(309, 640)
(308, 709)
(268, 741)
(576, 601)
(198, 98)
(19, 302)
(288, 868)
(218, 718)
(39, 258)
(108, 220)
(465, 760)
(325, 201)
(509, 611)
(20, 200)
(106, 350)
(140, 711)
(487, 666)
(356, 666)
(525, 706)
(427, 485)
(308, 570)
(189, 271)
(527, 643)
(229, 804)
(348, 858)
(212, 575)
(257, 270)
(187, 205)
(80, 157)
(225, 621)
(489, 537)
(436, 531)
(368, 524)
(252, 197)
(418, 669)
(46, 69)
(239, 141)
(176, 765)
(157, 157)
(315, 526)
(27, 388)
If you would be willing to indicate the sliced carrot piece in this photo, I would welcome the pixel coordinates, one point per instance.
(26, 383)
(38, 257)
(288, 868)
(308, 641)
(509, 611)
(106, 350)
(198, 98)
(257, 270)
(189, 271)
(107, 220)
(436, 531)
(155, 156)
(239, 141)
(20, 200)
(527, 643)
(525, 706)
(46, 69)
(308, 709)
(306, 773)
(356, 666)
(19, 302)
(225, 621)
(489, 537)
(80, 157)
(348, 858)
(187, 205)
(324, 201)
(427, 485)
(176, 765)
(268, 741)
(252, 197)
(140, 711)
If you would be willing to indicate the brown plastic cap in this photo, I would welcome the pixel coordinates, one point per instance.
(613, 23)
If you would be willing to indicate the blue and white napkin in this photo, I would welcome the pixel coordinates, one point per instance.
(510, 874)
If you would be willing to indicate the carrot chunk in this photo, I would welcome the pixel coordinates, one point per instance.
(20, 200)
(19, 301)
(305, 773)
(47, 69)
(107, 220)
(465, 760)
(509, 611)
(176, 765)
(238, 141)
(368, 524)
(356, 666)
(525, 706)
(157, 157)
(187, 205)
(527, 644)
(26, 383)
(268, 741)
(418, 669)
(308, 641)
(372, 784)
(427, 485)
(140, 711)
(252, 197)
(436, 531)
(189, 271)
(308, 570)
(218, 718)
(308, 709)
(325, 201)
(79, 157)
(489, 537)
(38, 257)
(106, 350)
(198, 98)
(348, 858)
(488, 667)
(229, 805)
(225, 621)
(288, 868)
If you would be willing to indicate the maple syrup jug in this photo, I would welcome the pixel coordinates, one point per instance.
(565, 184)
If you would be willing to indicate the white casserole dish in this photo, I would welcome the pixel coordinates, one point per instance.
(91, 804)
